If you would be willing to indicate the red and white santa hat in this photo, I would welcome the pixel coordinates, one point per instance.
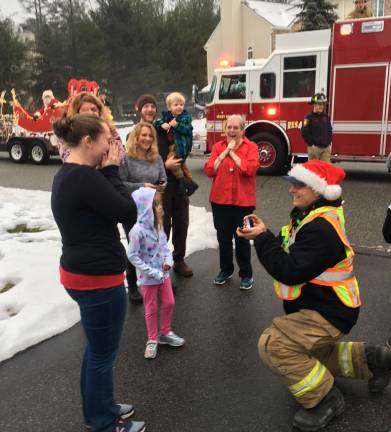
(323, 177)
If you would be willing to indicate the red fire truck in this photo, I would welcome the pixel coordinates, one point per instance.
(351, 63)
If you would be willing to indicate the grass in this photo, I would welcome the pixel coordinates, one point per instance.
(22, 228)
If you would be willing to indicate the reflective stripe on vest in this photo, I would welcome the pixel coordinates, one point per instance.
(309, 382)
(340, 277)
(345, 361)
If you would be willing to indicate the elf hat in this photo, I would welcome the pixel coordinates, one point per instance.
(323, 177)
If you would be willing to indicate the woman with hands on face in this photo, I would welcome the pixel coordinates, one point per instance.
(88, 201)
(233, 166)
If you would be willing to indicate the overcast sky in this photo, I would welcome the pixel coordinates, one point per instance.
(12, 9)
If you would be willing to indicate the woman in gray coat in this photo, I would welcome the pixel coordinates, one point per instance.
(143, 167)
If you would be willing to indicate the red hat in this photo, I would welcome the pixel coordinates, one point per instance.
(323, 177)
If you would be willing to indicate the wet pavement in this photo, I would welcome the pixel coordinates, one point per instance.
(216, 382)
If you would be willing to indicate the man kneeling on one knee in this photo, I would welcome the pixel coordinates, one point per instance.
(311, 262)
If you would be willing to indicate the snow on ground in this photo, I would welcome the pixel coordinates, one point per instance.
(33, 304)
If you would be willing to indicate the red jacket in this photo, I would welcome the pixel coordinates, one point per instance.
(232, 184)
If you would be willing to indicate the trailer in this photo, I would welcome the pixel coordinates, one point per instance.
(27, 137)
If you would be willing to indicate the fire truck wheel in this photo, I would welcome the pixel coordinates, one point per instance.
(39, 153)
(17, 151)
(273, 153)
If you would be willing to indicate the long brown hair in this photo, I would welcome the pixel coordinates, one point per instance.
(158, 219)
(131, 145)
(72, 130)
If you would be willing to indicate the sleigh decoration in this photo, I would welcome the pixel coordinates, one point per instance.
(43, 125)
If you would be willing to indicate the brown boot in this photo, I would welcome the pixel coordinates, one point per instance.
(183, 269)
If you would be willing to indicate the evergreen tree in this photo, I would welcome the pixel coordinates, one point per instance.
(317, 15)
(13, 68)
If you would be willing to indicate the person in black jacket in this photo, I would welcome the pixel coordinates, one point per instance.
(387, 226)
(175, 204)
(88, 201)
(316, 129)
(311, 262)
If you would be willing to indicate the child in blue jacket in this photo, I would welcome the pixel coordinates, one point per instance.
(176, 122)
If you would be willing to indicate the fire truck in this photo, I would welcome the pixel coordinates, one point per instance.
(350, 63)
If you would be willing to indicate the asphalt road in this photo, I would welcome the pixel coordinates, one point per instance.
(216, 382)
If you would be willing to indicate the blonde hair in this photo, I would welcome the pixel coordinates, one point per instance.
(174, 97)
(131, 145)
(238, 117)
(157, 200)
(85, 97)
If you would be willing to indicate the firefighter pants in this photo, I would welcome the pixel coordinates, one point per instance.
(303, 349)
(320, 153)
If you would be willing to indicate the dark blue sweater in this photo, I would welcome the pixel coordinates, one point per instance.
(87, 205)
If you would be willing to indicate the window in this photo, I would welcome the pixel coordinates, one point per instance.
(233, 87)
(299, 76)
(268, 85)
(250, 53)
(212, 89)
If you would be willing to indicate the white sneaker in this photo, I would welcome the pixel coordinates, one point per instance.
(171, 339)
(150, 349)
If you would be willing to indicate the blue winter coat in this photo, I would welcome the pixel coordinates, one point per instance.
(183, 132)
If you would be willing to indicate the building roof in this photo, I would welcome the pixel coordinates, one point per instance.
(278, 14)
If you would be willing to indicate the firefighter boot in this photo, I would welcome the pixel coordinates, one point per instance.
(379, 363)
(316, 418)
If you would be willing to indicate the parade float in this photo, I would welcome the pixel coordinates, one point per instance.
(27, 136)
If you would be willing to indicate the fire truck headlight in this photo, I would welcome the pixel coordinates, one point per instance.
(346, 29)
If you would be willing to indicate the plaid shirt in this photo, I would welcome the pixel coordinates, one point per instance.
(183, 132)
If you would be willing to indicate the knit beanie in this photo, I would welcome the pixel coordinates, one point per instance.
(145, 99)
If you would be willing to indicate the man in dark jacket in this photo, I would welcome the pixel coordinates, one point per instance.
(312, 266)
(387, 226)
(316, 129)
(175, 203)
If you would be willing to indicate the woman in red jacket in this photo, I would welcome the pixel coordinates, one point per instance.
(233, 166)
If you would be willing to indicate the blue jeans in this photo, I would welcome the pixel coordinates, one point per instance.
(102, 316)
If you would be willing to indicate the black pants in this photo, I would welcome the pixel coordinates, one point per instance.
(226, 219)
(131, 276)
(176, 217)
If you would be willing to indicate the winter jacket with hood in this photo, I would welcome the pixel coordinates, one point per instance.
(148, 249)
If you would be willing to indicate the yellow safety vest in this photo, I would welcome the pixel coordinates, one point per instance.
(340, 277)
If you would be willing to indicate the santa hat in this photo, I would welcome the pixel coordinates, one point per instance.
(47, 93)
(323, 177)
(145, 99)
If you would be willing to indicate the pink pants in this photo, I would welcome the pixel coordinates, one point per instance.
(150, 295)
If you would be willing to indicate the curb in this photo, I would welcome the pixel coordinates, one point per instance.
(380, 251)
